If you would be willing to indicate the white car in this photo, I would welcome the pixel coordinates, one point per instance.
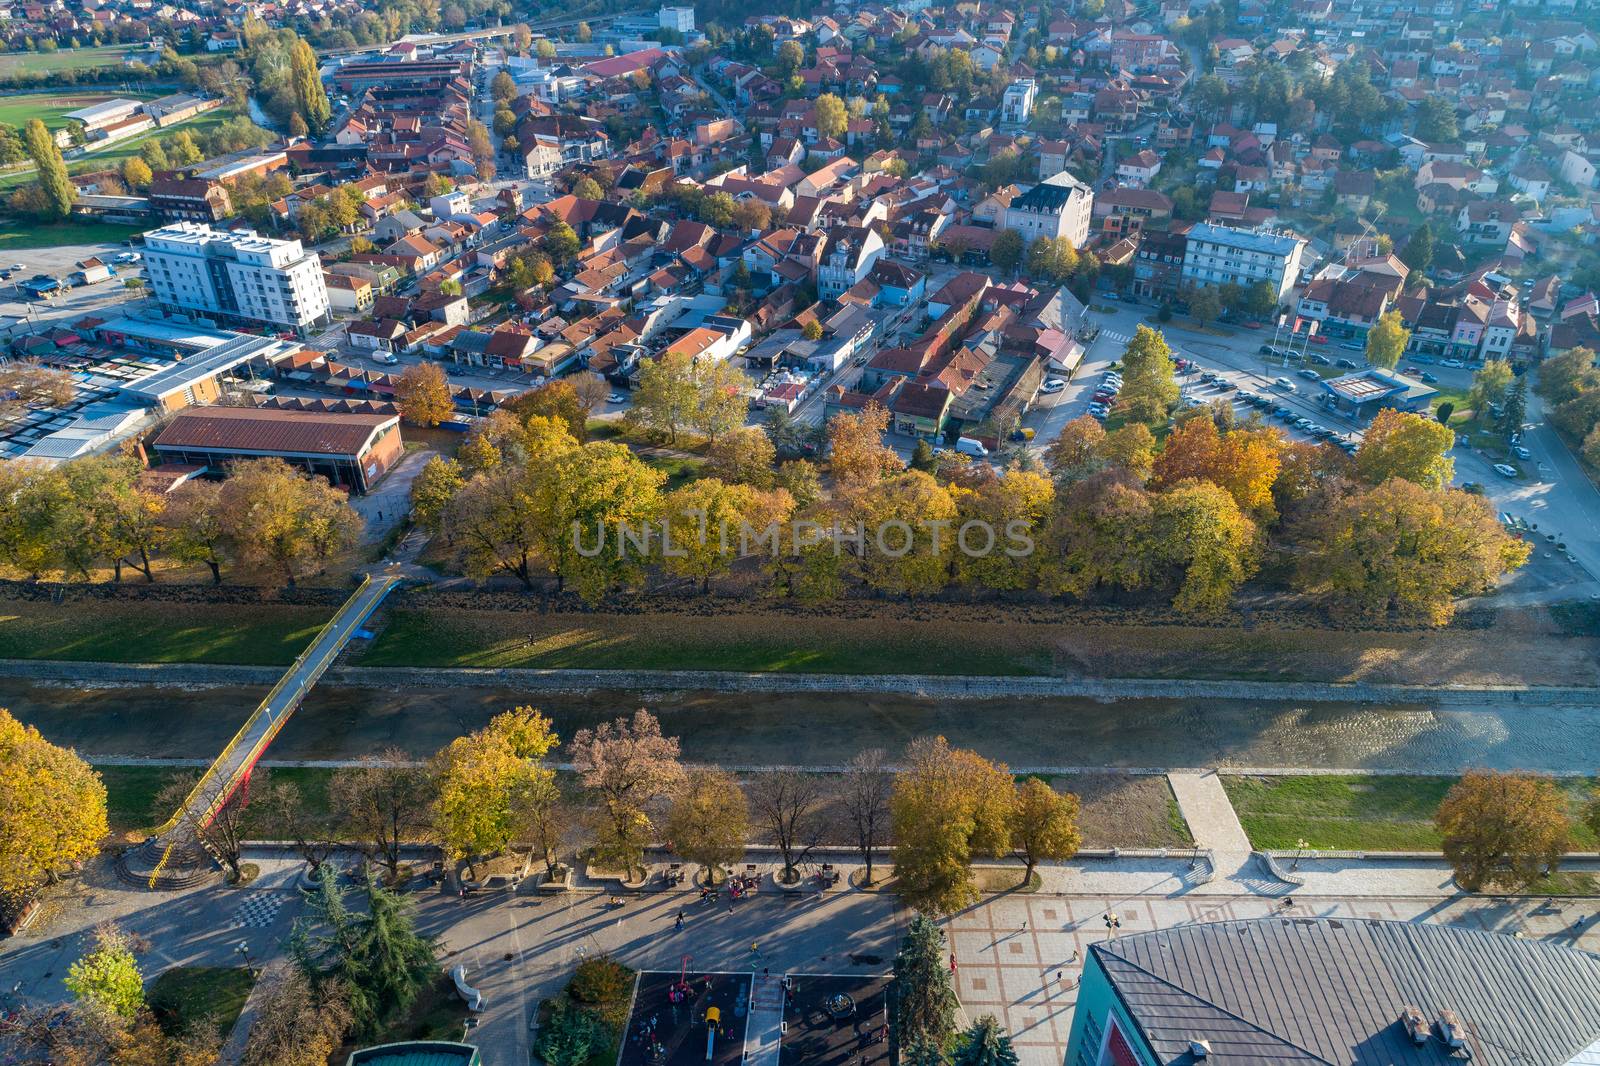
(1453, 364)
(1284, 383)
(1521, 452)
(18, 266)
(384, 359)
(1050, 388)
(616, 397)
(1505, 470)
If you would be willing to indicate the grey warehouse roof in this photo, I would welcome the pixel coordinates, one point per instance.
(1286, 991)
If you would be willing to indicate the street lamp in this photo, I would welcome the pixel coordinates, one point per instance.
(1300, 847)
(243, 948)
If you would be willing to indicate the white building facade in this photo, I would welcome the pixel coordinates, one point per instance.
(1223, 255)
(235, 276)
(1059, 206)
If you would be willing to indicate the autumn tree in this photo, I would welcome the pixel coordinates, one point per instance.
(1244, 462)
(1148, 387)
(28, 382)
(1076, 454)
(1403, 549)
(907, 521)
(1207, 545)
(136, 173)
(949, 805)
(925, 1003)
(58, 191)
(1387, 340)
(484, 779)
(744, 457)
(557, 400)
(503, 87)
(384, 802)
(52, 808)
(831, 118)
(868, 786)
(1399, 444)
(788, 805)
(433, 490)
(993, 518)
(299, 1022)
(1503, 830)
(666, 396)
(586, 188)
(706, 522)
(213, 810)
(1044, 825)
(280, 517)
(1205, 303)
(1489, 384)
(107, 976)
(857, 455)
(194, 527)
(1131, 449)
(311, 100)
(578, 492)
(628, 765)
(423, 393)
(1006, 251)
(708, 820)
(721, 397)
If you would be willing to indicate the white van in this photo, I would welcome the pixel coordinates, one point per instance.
(974, 448)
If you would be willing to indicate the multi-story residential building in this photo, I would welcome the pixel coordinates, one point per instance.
(1058, 206)
(851, 253)
(235, 276)
(1158, 264)
(680, 19)
(1016, 106)
(1223, 255)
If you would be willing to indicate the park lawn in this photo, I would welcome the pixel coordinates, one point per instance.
(1357, 812)
(138, 632)
(185, 996)
(15, 63)
(17, 235)
(131, 791)
(769, 643)
(680, 470)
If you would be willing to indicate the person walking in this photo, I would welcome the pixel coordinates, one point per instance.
(678, 924)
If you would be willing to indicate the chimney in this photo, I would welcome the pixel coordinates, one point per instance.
(1415, 1024)
(1451, 1031)
(1200, 1048)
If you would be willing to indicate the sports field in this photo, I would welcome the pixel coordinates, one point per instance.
(14, 63)
(53, 107)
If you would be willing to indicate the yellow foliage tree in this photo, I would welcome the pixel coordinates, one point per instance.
(948, 805)
(489, 780)
(52, 808)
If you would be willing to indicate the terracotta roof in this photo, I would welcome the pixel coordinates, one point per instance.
(247, 429)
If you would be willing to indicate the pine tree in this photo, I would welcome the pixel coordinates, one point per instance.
(925, 1002)
(1516, 406)
(58, 191)
(985, 1043)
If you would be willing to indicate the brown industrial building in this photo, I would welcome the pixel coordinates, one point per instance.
(351, 450)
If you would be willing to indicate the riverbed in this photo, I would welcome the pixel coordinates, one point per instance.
(826, 729)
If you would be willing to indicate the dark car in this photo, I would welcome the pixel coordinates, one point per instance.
(1267, 349)
(1427, 377)
(1347, 364)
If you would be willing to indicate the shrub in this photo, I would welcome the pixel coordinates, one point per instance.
(601, 980)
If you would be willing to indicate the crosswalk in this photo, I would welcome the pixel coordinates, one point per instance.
(1114, 337)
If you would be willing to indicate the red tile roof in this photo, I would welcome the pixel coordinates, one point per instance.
(245, 429)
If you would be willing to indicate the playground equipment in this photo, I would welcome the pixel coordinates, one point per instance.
(713, 1020)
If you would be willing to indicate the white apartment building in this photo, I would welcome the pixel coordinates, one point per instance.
(235, 276)
(1222, 255)
(1016, 106)
(1058, 206)
(676, 18)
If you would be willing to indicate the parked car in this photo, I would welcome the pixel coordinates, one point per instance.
(1267, 349)
(1050, 388)
(1428, 378)
(1505, 470)
(969, 446)
(1521, 453)
(1453, 364)
(1413, 370)
(1283, 383)
(1309, 375)
(1320, 360)
(1353, 346)
(616, 397)
(1346, 364)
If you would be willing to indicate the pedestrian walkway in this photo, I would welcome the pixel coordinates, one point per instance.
(1212, 821)
(764, 1039)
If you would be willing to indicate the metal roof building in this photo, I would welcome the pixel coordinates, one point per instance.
(1309, 991)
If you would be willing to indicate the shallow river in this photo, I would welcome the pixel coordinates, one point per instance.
(826, 729)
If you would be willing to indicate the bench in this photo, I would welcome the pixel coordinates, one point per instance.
(474, 998)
